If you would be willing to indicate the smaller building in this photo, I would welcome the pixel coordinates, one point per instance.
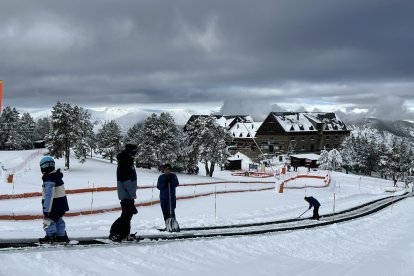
(233, 164)
(304, 160)
(39, 144)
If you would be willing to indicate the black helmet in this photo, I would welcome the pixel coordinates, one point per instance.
(131, 149)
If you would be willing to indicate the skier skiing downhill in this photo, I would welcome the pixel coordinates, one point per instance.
(54, 202)
(315, 204)
(127, 193)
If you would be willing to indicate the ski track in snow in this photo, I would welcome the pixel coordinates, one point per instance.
(380, 244)
(371, 246)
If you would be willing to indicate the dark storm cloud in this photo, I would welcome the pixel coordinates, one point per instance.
(260, 52)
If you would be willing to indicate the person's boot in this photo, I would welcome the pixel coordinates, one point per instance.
(131, 237)
(115, 238)
(48, 239)
(63, 239)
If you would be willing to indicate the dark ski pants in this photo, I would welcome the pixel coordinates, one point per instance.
(316, 213)
(122, 225)
(165, 207)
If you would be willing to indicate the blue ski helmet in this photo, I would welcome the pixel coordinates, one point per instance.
(47, 164)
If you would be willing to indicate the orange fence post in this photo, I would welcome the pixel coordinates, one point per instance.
(281, 187)
(10, 178)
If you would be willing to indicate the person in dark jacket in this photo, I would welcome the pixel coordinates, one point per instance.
(167, 182)
(315, 204)
(127, 193)
(54, 202)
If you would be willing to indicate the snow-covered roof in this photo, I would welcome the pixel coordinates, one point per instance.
(331, 120)
(233, 158)
(245, 130)
(294, 122)
(303, 121)
(224, 122)
(310, 156)
(229, 121)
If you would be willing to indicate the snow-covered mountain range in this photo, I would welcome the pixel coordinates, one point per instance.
(126, 117)
(384, 130)
(397, 128)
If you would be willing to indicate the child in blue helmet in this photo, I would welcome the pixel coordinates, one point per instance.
(54, 202)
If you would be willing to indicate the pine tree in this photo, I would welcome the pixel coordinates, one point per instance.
(109, 140)
(160, 141)
(394, 159)
(27, 128)
(323, 161)
(347, 152)
(383, 160)
(83, 145)
(405, 158)
(133, 134)
(335, 159)
(69, 128)
(42, 129)
(360, 156)
(207, 143)
(194, 135)
(11, 137)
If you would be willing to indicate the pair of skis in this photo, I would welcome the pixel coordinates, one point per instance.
(71, 242)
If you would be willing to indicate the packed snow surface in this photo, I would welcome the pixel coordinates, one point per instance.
(380, 244)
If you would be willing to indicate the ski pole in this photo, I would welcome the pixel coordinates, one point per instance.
(169, 195)
(303, 213)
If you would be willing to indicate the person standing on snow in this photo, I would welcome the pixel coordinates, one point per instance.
(54, 202)
(315, 204)
(167, 182)
(127, 193)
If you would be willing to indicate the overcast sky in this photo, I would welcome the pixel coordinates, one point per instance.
(230, 55)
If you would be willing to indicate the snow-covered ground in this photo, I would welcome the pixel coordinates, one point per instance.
(381, 244)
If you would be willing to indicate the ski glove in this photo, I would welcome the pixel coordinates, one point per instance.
(46, 214)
